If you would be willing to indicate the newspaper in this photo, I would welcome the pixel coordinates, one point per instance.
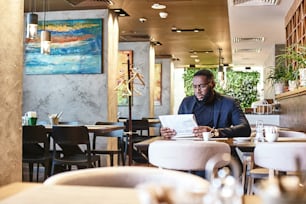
(183, 124)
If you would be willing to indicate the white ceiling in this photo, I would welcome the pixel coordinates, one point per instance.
(257, 21)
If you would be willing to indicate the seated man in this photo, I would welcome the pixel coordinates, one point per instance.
(221, 115)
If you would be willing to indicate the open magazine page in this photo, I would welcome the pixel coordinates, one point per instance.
(183, 124)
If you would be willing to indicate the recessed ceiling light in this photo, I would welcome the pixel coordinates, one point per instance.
(197, 60)
(178, 30)
(158, 6)
(142, 19)
(120, 12)
(163, 14)
(194, 56)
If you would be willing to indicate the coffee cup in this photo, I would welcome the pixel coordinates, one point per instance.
(206, 136)
(32, 121)
(271, 133)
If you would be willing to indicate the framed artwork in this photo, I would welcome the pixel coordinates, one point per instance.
(76, 48)
(157, 84)
(122, 76)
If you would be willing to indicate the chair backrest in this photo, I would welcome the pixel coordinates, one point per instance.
(34, 134)
(184, 155)
(138, 126)
(35, 140)
(114, 133)
(69, 138)
(129, 177)
(280, 156)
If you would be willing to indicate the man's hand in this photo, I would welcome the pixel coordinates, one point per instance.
(167, 132)
(197, 131)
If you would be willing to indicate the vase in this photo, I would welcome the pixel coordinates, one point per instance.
(293, 84)
(302, 73)
(279, 87)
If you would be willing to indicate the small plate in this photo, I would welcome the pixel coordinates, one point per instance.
(240, 139)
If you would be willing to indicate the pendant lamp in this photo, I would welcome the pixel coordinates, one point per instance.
(45, 36)
(32, 21)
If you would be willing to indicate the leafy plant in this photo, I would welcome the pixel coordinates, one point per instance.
(292, 74)
(240, 85)
(294, 55)
(278, 74)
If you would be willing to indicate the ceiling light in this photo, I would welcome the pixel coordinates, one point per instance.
(158, 6)
(156, 43)
(32, 21)
(120, 12)
(194, 56)
(45, 39)
(178, 30)
(163, 14)
(201, 51)
(142, 19)
(197, 60)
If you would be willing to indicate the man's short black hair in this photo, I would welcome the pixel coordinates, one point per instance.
(204, 72)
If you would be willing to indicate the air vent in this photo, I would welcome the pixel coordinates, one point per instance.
(90, 3)
(256, 2)
(247, 50)
(240, 40)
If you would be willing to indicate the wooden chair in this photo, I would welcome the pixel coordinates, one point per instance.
(122, 145)
(36, 149)
(140, 132)
(75, 148)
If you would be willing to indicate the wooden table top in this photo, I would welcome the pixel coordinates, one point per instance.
(93, 128)
(34, 193)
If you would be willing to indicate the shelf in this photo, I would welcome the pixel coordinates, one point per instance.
(290, 94)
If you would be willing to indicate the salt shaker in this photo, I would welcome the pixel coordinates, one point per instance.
(259, 131)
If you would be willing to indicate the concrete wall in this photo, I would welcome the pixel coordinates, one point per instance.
(11, 69)
(142, 62)
(166, 87)
(82, 97)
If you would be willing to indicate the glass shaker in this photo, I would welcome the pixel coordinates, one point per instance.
(259, 131)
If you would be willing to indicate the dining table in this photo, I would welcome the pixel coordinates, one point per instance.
(245, 144)
(37, 193)
(92, 128)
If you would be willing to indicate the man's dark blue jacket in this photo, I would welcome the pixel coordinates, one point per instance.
(229, 119)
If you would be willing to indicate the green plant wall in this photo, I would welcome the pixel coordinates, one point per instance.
(240, 85)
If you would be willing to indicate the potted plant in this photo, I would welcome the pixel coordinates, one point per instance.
(278, 78)
(292, 76)
(295, 58)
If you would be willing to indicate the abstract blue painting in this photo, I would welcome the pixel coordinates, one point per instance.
(76, 48)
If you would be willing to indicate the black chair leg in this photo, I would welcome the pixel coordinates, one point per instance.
(31, 171)
(37, 172)
(111, 159)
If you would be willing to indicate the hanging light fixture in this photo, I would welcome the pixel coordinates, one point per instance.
(32, 22)
(220, 67)
(45, 36)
